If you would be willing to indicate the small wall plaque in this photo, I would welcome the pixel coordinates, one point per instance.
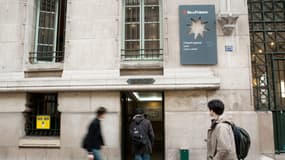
(229, 48)
(140, 81)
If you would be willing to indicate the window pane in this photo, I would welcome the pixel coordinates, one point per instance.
(132, 14)
(280, 36)
(132, 31)
(132, 2)
(281, 47)
(132, 48)
(48, 5)
(151, 2)
(268, 16)
(44, 48)
(152, 49)
(279, 16)
(42, 36)
(256, 6)
(269, 26)
(279, 6)
(152, 31)
(133, 45)
(270, 36)
(45, 53)
(151, 44)
(257, 16)
(258, 37)
(258, 26)
(280, 26)
(46, 36)
(47, 20)
(51, 37)
(151, 14)
(267, 6)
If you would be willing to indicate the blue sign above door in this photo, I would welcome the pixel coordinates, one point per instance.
(198, 38)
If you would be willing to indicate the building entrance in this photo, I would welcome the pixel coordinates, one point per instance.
(268, 62)
(153, 105)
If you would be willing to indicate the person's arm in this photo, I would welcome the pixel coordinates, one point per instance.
(223, 140)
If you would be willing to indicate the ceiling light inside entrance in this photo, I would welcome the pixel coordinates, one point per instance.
(148, 96)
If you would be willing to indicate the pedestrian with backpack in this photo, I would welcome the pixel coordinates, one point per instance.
(142, 136)
(93, 140)
(220, 140)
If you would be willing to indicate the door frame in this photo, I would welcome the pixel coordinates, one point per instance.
(124, 125)
(277, 111)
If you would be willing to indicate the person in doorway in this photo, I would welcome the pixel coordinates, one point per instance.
(142, 136)
(94, 139)
(220, 140)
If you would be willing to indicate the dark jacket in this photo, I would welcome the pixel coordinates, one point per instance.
(147, 127)
(94, 139)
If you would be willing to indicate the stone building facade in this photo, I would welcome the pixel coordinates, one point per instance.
(92, 72)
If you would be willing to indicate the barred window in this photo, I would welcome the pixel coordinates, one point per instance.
(42, 116)
(142, 30)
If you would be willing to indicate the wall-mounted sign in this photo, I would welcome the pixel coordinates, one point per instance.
(43, 122)
(140, 81)
(229, 48)
(198, 39)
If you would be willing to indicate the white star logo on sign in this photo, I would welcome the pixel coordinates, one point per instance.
(197, 28)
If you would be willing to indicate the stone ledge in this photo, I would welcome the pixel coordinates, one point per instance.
(141, 64)
(42, 142)
(172, 80)
(26, 87)
(43, 67)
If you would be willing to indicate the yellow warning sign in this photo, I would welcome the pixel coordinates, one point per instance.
(43, 122)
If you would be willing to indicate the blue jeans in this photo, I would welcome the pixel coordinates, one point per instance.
(142, 156)
(97, 154)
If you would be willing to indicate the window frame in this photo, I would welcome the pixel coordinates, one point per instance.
(142, 56)
(38, 12)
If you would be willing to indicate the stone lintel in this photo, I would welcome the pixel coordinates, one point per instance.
(44, 142)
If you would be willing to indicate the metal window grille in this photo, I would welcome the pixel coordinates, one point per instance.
(267, 36)
(142, 30)
(38, 105)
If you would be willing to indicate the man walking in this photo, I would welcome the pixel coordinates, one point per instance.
(142, 136)
(220, 141)
(94, 139)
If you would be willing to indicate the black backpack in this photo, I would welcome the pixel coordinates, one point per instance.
(138, 135)
(242, 140)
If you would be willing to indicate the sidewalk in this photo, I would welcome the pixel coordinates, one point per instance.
(280, 157)
(273, 157)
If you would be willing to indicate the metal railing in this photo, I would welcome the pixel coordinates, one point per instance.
(141, 55)
(31, 123)
(46, 56)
